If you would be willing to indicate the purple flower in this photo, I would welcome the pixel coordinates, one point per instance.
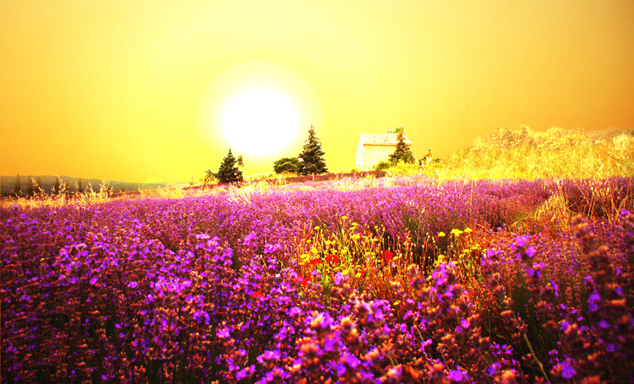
(93, 281)
(464, 323)
(351, 360)
(592, 300)
(248, 238)
(566, 370)
(458, 375)
(272, 355)
(223, 334)
(339, 277)
(133, 284)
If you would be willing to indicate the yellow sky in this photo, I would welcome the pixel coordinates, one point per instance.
(118, 89)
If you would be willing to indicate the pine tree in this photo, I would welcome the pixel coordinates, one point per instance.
(30, 186)
(57, 186)
(228, 171)
(17, 187)
(311, 160)
(402, 151)
(80, 186)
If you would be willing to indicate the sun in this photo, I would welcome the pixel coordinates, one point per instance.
(259, 121)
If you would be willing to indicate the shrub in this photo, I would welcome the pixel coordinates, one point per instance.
(286, 165)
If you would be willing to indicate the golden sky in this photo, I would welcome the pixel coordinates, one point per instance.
(128, 89)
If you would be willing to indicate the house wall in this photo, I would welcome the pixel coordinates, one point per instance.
(374, 154)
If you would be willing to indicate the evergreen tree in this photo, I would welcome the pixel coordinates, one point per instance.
(402, 151)
(228, 171)
(30, 186)
(17, 186)
(38, 183)
(80, 186)
(57, 186)
(311, 160)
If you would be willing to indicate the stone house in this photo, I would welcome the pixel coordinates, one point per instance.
(376, 147)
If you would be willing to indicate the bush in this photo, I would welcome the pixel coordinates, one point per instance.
(286, 164)
(382, 166)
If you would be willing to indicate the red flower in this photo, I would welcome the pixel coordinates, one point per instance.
(314, 262)
(304, 281)
(364, 271)
(388, 255)
(258, 294)
(332, 258)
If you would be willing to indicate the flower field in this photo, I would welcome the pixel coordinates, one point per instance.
(405, 281)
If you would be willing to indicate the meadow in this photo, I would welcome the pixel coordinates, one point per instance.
(398, 279)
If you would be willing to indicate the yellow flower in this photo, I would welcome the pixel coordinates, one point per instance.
(354, 224)
(355, 237)
(468, 230)
(441, 234)
(346, 272)
(344, 217)
(358, 275)
(317, 228)
(456, 232)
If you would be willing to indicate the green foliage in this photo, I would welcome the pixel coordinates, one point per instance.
(396, 130)
(209, 178)
(402, 151)
(30, 187)
(382, 166)
(311, 160)
(229, 171)
(57, 186)
(17, 188)
(286, 164)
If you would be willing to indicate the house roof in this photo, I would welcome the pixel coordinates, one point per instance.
(381, 139)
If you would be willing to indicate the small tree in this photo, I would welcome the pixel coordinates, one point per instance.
(38, 184)
(30, 186)
(311, 160)
(80, 186)
(17, 186)
(286, 164)
(57, 186)
(229, 171)
(402, 151)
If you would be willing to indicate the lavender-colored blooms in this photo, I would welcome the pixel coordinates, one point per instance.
(208, 288)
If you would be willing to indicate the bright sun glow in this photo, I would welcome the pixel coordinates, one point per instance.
(259, 121)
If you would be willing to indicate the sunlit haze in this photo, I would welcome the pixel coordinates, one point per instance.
(259, 122)
(159, 91)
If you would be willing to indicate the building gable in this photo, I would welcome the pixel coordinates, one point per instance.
(376, 147)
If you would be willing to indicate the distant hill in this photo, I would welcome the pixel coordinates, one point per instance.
(7, 183)
(553, 139)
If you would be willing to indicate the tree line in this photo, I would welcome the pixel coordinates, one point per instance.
(309, 162)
